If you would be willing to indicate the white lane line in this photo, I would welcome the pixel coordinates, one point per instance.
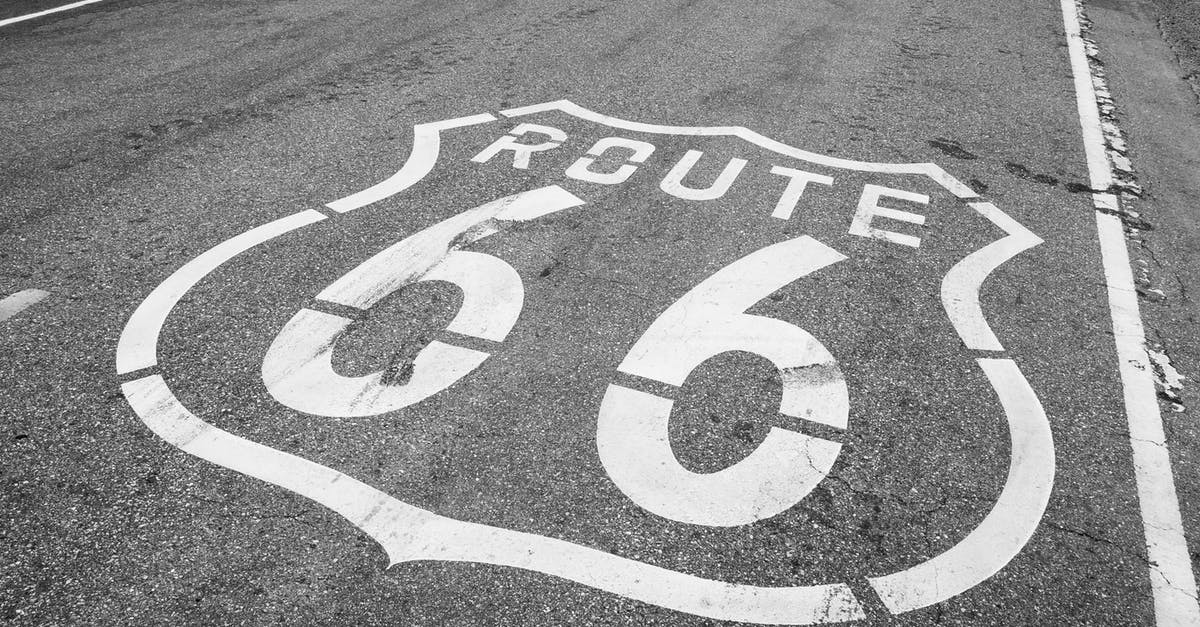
(66, 7)
(22, 300)
(1171, 578)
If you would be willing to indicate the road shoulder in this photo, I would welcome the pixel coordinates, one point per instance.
(1159, 113)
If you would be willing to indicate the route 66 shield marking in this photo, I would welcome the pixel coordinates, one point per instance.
(740, 302)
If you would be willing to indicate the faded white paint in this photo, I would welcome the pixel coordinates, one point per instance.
(961, 285)
(1172, 580)
(30, 16)
(424, 154)
(869, 209)
(1011, 522)
(632, 431)
(673, 184)
(14, 304)
(798, 181)
(813, 389)
(930, 170)
(582, 170)
(1165, 372)
(298, 367)
(409, 533)
(139, 340)
(521, 151)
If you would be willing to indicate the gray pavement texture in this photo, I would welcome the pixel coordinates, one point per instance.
(135, 135)
(1179, 23)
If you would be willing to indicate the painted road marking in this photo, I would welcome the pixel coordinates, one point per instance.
(1011, 522)
(137, 348)
(869, 209)
(66, 7)
(581, 169)
(960, 287)
(1171, 578)
(932, 170)
(673, 184)
(670, 348)
(632, 433)
(426, 146)
(861, 224)
(798, 181)
(22, 300)
(298, 368)
(522, 152)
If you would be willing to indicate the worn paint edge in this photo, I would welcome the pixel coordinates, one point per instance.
(1171, 578)
(66, 7)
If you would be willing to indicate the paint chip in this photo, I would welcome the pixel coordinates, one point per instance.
(20, 301)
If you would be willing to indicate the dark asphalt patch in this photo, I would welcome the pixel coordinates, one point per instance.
(952, 148)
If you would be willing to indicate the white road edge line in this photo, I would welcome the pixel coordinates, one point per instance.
(22, 300)
(66, 7)
(1171, 578)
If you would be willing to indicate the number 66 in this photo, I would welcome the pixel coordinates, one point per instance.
(632, 429)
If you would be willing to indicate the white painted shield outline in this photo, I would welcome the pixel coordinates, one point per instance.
(408, 533)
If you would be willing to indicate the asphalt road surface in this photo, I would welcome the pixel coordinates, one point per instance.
(599, 313)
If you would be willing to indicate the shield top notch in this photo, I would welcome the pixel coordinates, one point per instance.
(427, 145)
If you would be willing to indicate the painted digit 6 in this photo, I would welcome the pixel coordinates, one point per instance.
(632, 432)
(298, 368)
